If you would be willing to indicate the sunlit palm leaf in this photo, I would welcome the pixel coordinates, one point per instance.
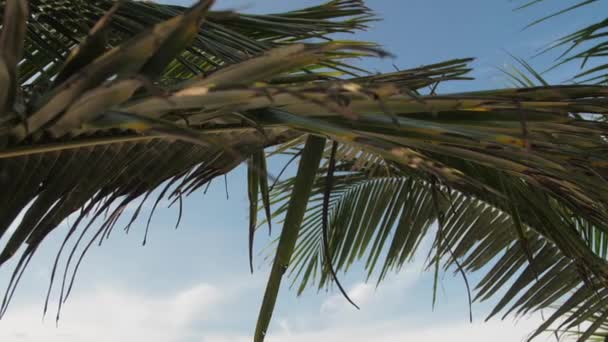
(527, 76)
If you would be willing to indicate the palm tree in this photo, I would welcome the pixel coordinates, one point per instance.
(97, 112)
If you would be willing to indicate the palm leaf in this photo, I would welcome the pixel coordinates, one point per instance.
(379, 221)
(587, 45)
(599, 335)
(60, 26)
(596, 239)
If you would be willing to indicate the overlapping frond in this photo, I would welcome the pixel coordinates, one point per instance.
(587, 45)
(57, 27)
(527, 76)
(139, 165)
(378, 222)
(514, 174)
(599, 335)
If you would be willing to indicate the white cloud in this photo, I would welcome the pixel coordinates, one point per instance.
(118, 314)
(111, 314)
(361, 294)
(399, 330)
(368, 296)
(194, 303)
(114, 313)
(285, 327)
(373, 323)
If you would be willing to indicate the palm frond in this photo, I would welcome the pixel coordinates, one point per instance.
(588, 45)
(57, 27)
(599, 335)
(597, 240)
(524, 75)
(379, 221)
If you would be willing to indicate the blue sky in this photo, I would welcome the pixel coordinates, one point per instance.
(193, 284)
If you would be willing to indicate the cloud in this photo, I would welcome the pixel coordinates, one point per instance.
(194, 303)
(387, 315)
(118, 314)
(361, 294)
(114, 314)
(398, 330)
(208, 312)
(371, 298)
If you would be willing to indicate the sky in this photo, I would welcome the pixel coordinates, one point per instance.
(193, 284)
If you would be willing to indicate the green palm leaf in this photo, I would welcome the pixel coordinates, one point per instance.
(586, 45)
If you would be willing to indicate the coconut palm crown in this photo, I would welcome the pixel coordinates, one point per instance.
(102, 102)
